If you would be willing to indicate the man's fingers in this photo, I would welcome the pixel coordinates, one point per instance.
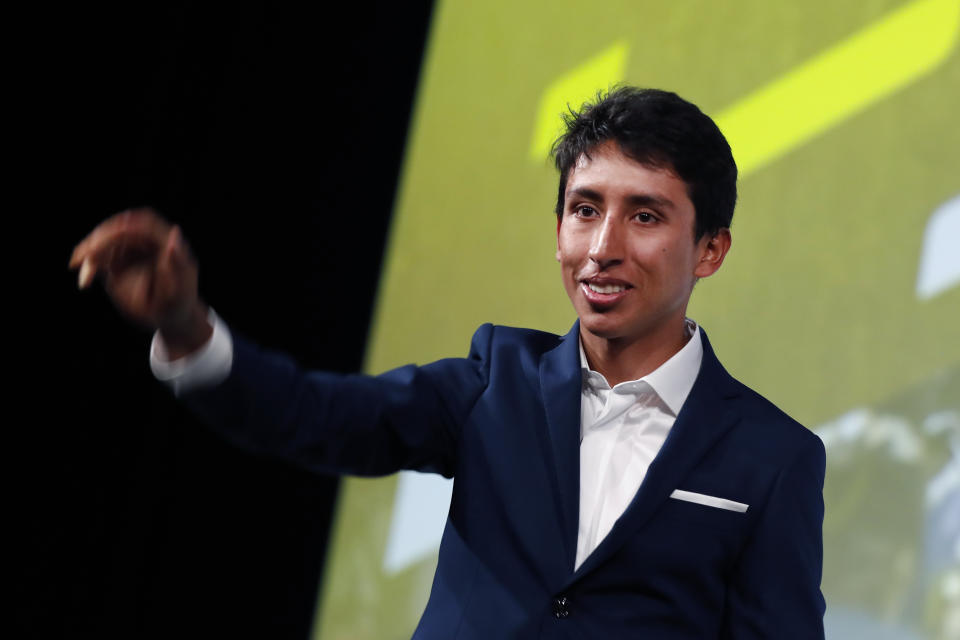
(101, 233)
(114, 250)
(167, 266)
(87, 272)
(177, 249)
(140, 227)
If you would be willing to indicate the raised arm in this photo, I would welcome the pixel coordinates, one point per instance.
(408, 418)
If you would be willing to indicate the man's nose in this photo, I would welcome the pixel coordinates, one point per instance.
(607, 246)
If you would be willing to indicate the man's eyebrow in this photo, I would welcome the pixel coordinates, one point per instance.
(647, 200)
(585, 193)
(637, 199)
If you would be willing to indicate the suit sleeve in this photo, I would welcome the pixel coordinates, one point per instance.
(407, 418)
(775, 592)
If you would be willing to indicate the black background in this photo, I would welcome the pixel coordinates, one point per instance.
(274, 137)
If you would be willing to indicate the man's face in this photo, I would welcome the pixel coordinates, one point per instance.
(626, 249)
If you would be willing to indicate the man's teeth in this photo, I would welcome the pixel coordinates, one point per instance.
(606, 288)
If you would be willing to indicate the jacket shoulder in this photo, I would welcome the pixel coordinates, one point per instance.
(498, 336)
(772, 423)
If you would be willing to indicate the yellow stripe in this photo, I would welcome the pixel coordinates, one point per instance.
(573, 89)
(840, 82)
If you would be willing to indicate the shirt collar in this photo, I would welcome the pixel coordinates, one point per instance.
(672, 380)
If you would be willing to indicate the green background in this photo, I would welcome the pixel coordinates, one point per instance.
(815, 307)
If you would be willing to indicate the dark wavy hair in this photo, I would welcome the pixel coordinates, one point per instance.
(658, 129)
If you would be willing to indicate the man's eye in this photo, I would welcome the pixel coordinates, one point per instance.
(644, 216)
(586, 212)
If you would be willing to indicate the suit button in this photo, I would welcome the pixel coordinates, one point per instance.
(561, 607)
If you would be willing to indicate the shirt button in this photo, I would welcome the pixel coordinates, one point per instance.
(561, 607)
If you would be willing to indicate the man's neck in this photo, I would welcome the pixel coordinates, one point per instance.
(620, 360)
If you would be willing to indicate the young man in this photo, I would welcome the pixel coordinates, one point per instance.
(614, 482)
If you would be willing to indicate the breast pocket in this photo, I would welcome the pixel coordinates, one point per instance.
(685, 538)
(700, 514)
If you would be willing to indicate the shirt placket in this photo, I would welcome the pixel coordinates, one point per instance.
(617, 402)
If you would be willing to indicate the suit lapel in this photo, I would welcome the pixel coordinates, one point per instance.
(705, 417)
(560, 382)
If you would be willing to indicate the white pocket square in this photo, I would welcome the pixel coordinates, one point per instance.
(710, 501)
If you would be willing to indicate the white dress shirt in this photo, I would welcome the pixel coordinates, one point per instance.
(621, 429)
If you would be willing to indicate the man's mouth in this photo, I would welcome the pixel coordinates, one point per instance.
(605, 288)
(604, 293)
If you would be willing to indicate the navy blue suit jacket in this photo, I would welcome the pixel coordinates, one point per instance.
(504, 422)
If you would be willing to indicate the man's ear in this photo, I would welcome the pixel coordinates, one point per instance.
(712, 249)
(559, 219)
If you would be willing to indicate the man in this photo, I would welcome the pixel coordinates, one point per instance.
(615, 482)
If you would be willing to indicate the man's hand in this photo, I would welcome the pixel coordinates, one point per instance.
(149, 274)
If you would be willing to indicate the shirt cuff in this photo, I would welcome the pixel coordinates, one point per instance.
(208, 366)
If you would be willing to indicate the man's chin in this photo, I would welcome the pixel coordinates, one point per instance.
(601, 327)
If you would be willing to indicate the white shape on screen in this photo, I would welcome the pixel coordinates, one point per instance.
(420, 508)
(940, 259)
(863, 429)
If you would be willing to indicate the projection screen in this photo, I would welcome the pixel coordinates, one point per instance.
(839, 300)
